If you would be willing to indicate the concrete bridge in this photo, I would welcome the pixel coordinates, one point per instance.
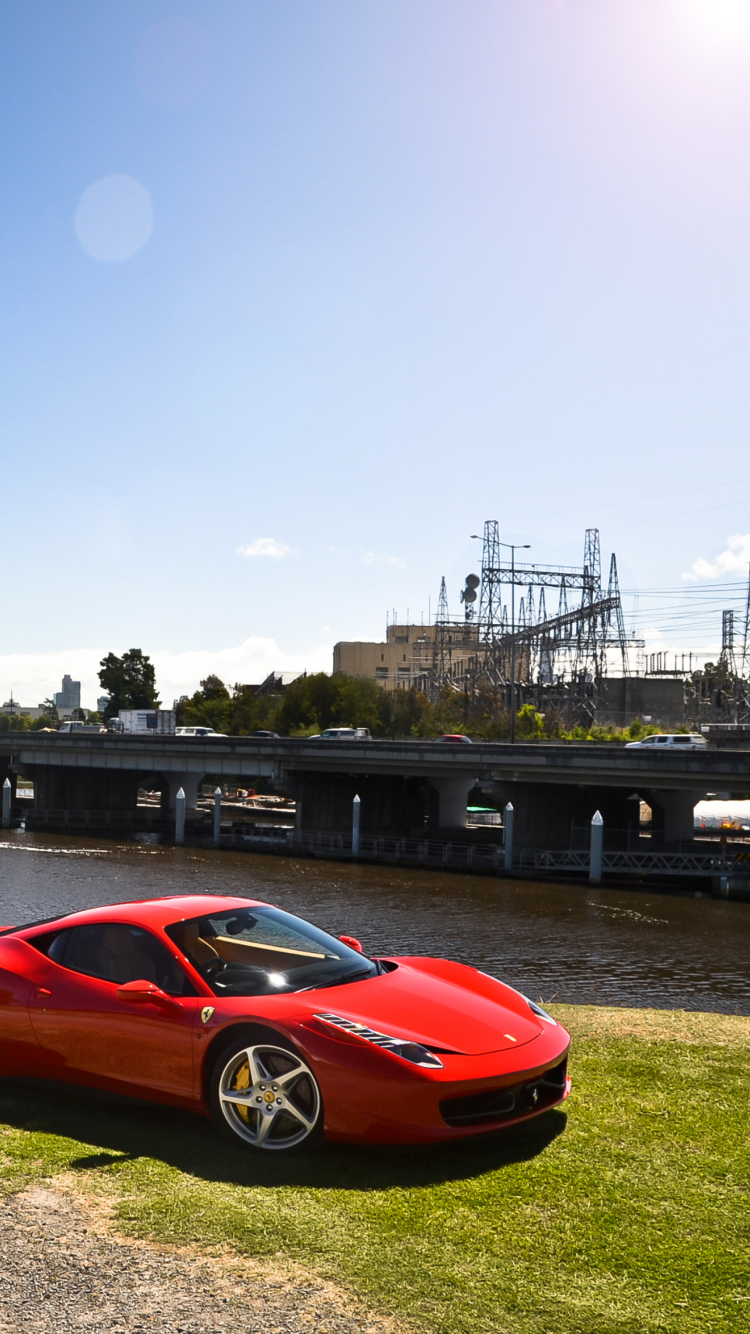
(406, 787)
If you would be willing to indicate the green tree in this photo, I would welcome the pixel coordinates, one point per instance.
(44, 720)
(404, 713)
(130, 682)
(312, 703)
(208, 707)
(249, 710)
(14, 722)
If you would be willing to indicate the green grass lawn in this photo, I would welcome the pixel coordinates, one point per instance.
(627, 1211)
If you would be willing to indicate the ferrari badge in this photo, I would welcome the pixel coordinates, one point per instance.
(206, 1013)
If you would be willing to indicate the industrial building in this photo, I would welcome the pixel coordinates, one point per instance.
(555, 638)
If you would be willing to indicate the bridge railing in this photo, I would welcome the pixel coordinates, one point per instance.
(718, 862)
(713, 862)
(378, 847)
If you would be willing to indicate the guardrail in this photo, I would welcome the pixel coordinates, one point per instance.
(378, 847)
(637, 863)
(491, 857)
(142, 820)
(718, 864)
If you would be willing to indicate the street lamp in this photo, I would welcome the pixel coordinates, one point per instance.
(513, 548)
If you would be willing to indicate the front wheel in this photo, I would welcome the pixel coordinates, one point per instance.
(267, 1097)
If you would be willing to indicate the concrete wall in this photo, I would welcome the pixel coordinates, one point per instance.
(625, 698)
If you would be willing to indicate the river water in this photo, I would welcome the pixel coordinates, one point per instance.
(556, 942)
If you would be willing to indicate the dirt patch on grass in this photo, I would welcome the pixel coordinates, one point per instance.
(725, 1030)
(65, 1267)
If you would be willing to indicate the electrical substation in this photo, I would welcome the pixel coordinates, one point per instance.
(555, 638)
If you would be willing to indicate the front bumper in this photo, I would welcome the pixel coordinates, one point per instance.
(424, 1107)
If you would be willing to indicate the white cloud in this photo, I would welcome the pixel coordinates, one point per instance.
(265, 546)
(372, 558)
(33, 677)
(734, 560)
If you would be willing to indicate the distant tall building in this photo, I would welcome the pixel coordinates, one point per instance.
(70, 695)
(102, 703)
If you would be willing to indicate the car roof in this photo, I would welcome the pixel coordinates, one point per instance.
(156, 913)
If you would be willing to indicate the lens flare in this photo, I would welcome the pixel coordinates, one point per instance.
(720, 23)
(114, 218)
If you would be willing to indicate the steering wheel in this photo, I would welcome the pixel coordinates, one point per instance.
(216, 966)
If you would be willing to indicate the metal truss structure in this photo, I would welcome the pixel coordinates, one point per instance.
(561, 655)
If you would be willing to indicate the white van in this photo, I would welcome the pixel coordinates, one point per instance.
(92, 729)
(681, 740)
(343, 734)
(198, 731)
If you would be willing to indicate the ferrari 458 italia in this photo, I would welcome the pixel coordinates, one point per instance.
(281, 1032)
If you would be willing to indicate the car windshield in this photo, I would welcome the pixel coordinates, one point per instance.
(264, 952)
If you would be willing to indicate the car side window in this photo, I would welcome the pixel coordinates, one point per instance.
(117, 952)
(57, 947)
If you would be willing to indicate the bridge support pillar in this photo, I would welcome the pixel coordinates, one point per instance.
(672, 815)
(189, 784)
(452, 796)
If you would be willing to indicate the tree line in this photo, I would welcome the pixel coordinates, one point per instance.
(312, 703)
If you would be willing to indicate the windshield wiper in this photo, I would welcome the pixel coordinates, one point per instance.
(339, 981)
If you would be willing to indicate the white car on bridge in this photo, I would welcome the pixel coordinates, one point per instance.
(342, 734)
(662, 740)
(198, 731)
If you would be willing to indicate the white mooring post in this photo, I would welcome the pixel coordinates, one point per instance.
(7, 794)
(179, 816)
(597, 841)
(356, 807)
(217, 817)
(509, 836)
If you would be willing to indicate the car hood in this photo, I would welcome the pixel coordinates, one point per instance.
(453, 1008)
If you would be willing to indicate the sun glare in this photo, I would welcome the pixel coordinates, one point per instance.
(722, 23)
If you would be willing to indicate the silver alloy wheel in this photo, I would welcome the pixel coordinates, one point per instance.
(269, 1097)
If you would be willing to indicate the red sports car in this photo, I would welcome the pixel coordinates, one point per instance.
(281, 1032)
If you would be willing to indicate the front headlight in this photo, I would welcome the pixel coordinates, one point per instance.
(537, 1009)
(413, 1052)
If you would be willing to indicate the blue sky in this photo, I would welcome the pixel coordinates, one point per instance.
(332, 283)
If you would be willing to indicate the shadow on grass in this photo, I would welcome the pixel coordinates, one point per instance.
(125, 1130)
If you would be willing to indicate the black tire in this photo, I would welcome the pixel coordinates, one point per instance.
(265, 1097)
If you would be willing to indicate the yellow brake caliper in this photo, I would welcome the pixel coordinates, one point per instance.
(242, 1081)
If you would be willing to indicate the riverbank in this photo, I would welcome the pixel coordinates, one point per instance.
(625, 1212)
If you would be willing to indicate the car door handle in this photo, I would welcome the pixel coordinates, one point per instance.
(41, 992)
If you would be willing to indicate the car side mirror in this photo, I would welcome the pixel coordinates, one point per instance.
(352, 942)
(142, 991)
